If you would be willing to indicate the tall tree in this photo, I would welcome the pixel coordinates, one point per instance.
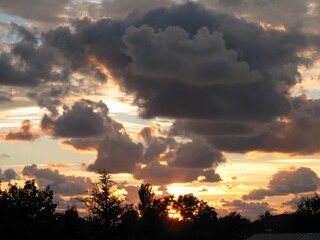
(103, 203)
(152, 208)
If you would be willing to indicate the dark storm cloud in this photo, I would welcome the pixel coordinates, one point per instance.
(26, 35)
(59, 183)
(240, 70)
(155, 145)
(286, 182)
(25, 133)
(83, 144)
(246, 72)
(29, 63)
(290, 13)
(197, 154)
(49, 99)
(8, 175)
(297, 133)
(37, 10)
(227, 81)
(260, 99)
(272, 14)
(88, 127)
(120, 8)
(84, 119)
(247, 209)
(164, 158)
(117, 154)
(171, 55)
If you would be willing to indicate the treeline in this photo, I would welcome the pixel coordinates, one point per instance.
(30, 213)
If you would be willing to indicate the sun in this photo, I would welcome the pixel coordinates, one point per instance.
(174, 214)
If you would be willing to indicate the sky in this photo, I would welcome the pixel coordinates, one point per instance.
(216, 98)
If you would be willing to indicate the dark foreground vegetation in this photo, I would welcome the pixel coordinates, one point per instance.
(30, 213)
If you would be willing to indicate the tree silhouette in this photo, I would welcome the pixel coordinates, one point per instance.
(27, 203)
(309, 205)
(103, 204)
(205, 213)
(187, 205)
(146, 196)
(152, 208)
(71, 216)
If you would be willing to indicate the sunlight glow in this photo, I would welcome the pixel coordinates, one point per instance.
(268, 26)
(174, 214)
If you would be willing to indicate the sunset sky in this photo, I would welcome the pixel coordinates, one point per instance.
(218, 98)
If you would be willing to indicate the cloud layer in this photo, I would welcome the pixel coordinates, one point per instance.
(222, 78)
(156, 158)
(59, 183)
(286, 182)
(25, 133)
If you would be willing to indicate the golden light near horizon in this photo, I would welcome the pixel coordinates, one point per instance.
(174, 214)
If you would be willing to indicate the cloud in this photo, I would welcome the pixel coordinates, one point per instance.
(88, 127)
(37, 10)
(25, 133)
(58, 165)
(287, 182)
(49, 98)
(247, 86)
(30, 62)
(8, 175)
(201, 60)
(4, 97)
(197, 154)
(295, 133)
(84, 119)
(59, 183)
(4, 155)
(293, 202)
(287, 12)
(121, 8)
(117, 154)
(225, 80)
(251, 210)
(158, 174)
(132, 194)
(155, 144)
(236, 96)
(164, 158)
(233, 82)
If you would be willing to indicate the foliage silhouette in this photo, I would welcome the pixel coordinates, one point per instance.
(27, 203)
(103, 204)
(30, 213)
(309, 205)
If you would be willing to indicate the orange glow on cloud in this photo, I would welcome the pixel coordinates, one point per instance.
(69, 147)
(256, 154)
(59, 165)
(24, 133)
(268, 27)
(94, 61)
